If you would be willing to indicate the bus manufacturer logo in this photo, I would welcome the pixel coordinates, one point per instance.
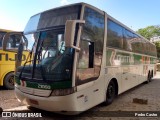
(48, 87)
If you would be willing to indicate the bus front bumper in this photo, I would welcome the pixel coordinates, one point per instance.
(61, 104)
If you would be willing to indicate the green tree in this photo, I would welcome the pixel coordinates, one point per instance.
(150, 31)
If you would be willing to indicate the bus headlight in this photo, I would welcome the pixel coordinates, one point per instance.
(62, 92)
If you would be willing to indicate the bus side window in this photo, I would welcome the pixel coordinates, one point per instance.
(0, 43)
(128, 40)
(14, 41)
(1, 37)
(114, 35)
(86, 57)
(91, 54)
(86, 70)
(92, 38)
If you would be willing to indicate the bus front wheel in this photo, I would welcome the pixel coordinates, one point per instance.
(110, 93)
(9, 81)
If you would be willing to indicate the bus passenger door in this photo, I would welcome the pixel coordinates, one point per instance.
(88, 70)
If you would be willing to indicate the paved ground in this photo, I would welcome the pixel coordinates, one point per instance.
(122, 106)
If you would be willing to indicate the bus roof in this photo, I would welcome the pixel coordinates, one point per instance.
(5, 30)
(81, 3)
(101, 11)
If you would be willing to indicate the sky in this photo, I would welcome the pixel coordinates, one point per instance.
(136, 14)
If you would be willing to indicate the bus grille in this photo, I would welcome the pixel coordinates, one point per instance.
(33, 91)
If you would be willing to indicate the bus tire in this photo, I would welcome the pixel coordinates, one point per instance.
(110, 93)
(9, 81)
(152, 74)
(148, 78)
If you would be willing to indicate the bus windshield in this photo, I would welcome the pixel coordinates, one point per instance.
(51, 60)
(52, 18)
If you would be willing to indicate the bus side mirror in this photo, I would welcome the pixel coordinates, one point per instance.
(6, 45)
(70, 33)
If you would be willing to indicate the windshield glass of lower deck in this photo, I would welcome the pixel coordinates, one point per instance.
(53, 61)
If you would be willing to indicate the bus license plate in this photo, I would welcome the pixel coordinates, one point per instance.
(35, 102)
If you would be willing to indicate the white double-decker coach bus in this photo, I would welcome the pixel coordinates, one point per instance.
(80, 57)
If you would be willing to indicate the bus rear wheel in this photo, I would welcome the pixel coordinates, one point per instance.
(111, 92)
(9, 81)
(152, 74)
(149, 77)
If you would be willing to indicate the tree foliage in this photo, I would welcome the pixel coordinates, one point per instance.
(150, 31)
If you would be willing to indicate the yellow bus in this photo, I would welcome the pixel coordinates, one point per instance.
(7, 58)
(81, 57)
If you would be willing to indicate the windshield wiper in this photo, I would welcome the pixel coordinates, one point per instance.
(37, 57)
(29, 56)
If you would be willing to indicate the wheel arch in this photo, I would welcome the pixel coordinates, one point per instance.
(3, 77)
(109, 99)
(116, 85)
